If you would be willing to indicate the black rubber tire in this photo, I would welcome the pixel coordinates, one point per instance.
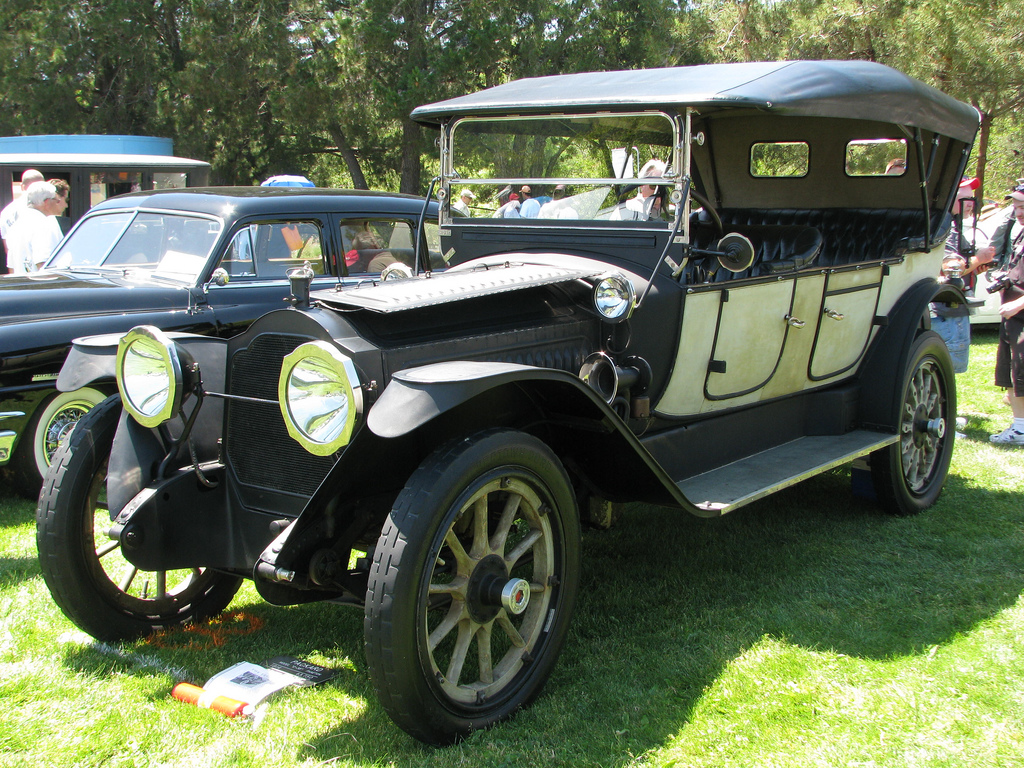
(86, 575)
(51, 423)
(411, 636)
(908, 475)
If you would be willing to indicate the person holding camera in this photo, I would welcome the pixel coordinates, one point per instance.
(967, 253)
(1008, 242)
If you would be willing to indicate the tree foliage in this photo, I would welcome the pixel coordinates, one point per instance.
(325, 88)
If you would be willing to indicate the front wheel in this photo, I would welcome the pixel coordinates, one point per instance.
(908, 475)
(89, 578)
(472, 585)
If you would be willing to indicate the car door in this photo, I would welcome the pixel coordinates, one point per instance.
(256, 260)
(744, 341)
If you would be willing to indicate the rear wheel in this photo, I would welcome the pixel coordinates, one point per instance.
(91, 581)
(909, 475)
(472, 585)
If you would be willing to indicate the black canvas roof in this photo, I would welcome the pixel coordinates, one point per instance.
(842, 89)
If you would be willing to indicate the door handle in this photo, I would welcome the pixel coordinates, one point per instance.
(834, 314)
(795, 322)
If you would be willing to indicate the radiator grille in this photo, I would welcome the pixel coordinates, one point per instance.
(259, 447)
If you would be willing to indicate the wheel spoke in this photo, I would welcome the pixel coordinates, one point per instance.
(442, 630)
(462, 558)
(126, 582)
(480, 538)
(462, 643)
(522, 548)
(508, 516)
(107, 548)
(483, 651)
(513, 634)
(455, 588)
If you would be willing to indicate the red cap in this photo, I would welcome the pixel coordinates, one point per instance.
(971, 183)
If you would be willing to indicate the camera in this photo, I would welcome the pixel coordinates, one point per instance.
(999, 281)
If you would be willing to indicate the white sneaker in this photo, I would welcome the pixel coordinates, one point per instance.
(1008, 436)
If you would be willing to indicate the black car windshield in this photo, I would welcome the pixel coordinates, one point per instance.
(166, 245)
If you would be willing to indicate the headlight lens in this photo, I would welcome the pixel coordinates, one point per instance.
(320, 395)
(149, 375)
(614, 297)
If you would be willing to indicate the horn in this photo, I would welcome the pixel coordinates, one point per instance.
(602, 375)
(737, 252)
(598, 372)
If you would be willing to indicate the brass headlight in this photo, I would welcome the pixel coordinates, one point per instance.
(320, 396)
(149, 375)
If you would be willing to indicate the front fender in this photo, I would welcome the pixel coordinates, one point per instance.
(138, 451)
(416, 396)
(94, 358)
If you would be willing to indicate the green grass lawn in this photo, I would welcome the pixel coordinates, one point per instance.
(807, 629)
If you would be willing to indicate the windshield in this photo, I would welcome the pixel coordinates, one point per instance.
(168, 245)
(565, 167)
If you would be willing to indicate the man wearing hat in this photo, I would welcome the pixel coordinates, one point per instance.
(466, 198)
(1008, 242)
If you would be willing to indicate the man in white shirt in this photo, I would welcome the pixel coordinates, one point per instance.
(646, 204)
(466, 198)
(9, 214)
(35, 232)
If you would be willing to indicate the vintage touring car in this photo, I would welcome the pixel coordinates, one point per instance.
(714, 283)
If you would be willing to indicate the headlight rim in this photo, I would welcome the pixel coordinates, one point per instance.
(352, 388)
(172, 364)
(628, 291)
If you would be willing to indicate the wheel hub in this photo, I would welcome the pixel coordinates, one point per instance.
(925, 428)
(490, 589)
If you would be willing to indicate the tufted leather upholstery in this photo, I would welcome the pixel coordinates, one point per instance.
(777, 249)
(849, 235)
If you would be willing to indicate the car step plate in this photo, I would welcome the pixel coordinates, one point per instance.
(726, 488)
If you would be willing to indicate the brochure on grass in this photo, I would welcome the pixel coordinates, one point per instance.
(252, 683)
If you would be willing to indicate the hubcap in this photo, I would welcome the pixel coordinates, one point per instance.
(60, 427)
(516, 596)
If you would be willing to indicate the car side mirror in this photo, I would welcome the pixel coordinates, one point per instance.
(220, 276)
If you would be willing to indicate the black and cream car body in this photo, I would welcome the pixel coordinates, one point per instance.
(427, 448)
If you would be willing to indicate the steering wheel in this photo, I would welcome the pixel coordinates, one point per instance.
(710, 209)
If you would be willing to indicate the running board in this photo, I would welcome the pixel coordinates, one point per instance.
(726, 488)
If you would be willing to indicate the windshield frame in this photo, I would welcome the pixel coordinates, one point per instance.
(676, 181)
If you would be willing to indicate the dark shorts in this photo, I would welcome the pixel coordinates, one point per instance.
(1010, 355)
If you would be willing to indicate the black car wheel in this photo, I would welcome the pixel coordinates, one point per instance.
(909, 474)
(51, 423)
(472, 585)
(90, 580)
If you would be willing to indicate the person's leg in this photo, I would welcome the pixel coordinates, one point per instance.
(1010, 373)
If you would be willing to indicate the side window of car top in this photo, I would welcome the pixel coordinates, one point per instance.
(269, 250)
(369, 245)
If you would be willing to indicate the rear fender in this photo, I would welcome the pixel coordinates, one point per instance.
(881, 375)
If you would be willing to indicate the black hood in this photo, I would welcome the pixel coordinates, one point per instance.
(47, 295)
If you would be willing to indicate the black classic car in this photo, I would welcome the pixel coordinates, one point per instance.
(206, 261)
(714, 283)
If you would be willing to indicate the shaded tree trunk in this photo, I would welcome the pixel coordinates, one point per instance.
(349, 156)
